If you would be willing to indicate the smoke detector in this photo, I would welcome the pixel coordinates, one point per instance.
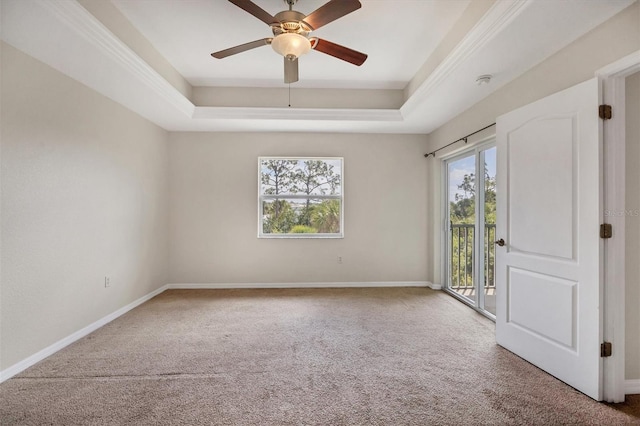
(483, 79)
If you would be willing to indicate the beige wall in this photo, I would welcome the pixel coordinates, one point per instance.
(272, 97)
(84, 195)
(576, 63)
(632, 225)
(214, 219)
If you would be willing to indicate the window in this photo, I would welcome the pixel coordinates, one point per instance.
(300, 197)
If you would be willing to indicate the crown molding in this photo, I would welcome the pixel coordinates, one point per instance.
(77, 18)
(160, 100)
(314, 114)
(67, 37)
(492, 23)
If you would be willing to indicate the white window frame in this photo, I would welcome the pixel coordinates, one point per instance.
(264, 197)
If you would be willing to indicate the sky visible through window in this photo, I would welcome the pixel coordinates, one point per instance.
(465, 166)
(336, 168)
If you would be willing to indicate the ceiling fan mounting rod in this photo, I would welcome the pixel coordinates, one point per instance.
(290, 3)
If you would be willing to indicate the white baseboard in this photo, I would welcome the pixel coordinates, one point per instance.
(50, 350)
(631, 387)
(193, 286)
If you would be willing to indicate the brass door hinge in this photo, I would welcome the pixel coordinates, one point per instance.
(605, 349)
(606, 231)
(605, 112)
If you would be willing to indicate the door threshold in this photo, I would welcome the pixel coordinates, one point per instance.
(470, 304)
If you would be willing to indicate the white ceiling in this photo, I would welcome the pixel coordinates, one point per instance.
(400, 36)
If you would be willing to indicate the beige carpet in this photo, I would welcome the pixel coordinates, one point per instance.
(297, 357)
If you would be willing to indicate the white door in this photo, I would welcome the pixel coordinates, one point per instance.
(549, 270)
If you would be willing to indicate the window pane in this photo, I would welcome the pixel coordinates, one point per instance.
(301, 216)
(461, 200)
(300, 176)
(276, 176)
(462, 190)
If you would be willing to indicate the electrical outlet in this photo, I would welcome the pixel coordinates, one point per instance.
(107, 282)
(340, 259)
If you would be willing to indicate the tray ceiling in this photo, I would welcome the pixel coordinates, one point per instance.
(424, 57)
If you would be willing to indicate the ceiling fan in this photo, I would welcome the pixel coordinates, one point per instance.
(291, 34)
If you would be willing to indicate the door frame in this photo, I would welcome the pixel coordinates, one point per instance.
(612, 88)
(485, 143)
(612, 78)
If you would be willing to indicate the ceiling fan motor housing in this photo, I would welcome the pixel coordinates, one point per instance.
(290, 21)
(291, 35)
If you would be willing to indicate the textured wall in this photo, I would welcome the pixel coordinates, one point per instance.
(214, 219)
(84, 195)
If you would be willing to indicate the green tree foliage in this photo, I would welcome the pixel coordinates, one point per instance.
(489, 198)
(278, 179)
(462, 215)
(310, 178)
(462, 209)
(280, 217)
(303, 229)
(317, 177)
(326, 216)
(277, 176)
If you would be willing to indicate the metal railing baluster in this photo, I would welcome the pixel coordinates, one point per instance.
(462, 264)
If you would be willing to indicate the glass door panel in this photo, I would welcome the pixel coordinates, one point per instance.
(488, 160)
(470, 216)
(461, 221)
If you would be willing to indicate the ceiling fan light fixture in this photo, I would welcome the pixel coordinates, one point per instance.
(291, 45)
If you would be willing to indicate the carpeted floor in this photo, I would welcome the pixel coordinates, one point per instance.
(404, 356)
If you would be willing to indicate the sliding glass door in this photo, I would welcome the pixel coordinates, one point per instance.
(470, 224)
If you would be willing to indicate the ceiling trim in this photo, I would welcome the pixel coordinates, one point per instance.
(81, 21)
(76, 17)
(317, 114)
(70, 39)
(492, 23)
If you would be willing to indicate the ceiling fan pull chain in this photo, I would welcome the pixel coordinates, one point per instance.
(289, 95)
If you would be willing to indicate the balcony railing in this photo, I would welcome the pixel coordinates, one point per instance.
(462, 244)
